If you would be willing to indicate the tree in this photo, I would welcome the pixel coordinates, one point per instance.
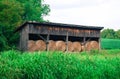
(34, 10)
(108, 33)
(10, 17)
(15, 12)
(118, 34)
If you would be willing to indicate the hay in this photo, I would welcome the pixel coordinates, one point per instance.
(92, 45)
(88, 46)
(82, 48)
(31, 46)
(40, 45)
(60, 45)
(70, 46)
(77, 46)
(51, 45)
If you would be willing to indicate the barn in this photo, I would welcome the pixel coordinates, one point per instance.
(65, 34)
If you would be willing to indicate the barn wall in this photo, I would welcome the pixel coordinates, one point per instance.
(63, 31)
(24, 38)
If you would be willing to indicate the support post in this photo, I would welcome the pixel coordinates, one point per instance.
(47, 42)
(67, 42)
(99, 40)
(84, 42)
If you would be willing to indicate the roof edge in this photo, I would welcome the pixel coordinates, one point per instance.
(58, 24)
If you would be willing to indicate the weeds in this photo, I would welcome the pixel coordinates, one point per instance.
(58, 65)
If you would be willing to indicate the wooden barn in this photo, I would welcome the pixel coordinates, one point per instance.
(47, 31)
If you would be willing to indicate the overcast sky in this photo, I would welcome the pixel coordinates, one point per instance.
(105, 13)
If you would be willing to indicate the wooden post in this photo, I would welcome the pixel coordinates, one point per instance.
(47, 42)
(84, 41)
(67, 42)
(25, 38)
(99, 40)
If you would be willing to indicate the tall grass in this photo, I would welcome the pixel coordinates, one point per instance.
(58, 65)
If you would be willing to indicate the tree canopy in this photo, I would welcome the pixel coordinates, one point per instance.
(15, 12)
(110, 33)
(34, 10)
(118, 34)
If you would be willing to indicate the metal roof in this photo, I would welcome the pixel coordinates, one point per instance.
(59, 25)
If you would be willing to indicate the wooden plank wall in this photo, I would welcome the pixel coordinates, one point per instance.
(24, 38)
(63, 31)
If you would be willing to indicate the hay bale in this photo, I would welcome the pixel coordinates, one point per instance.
(60, 46)
(88, 46)
(82, 48)
(92, 45)
(40, 45)
(77, 46)
(52, 45)
(31, 46)
(30, 43)
(70, 46)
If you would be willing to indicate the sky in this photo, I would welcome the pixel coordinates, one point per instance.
(102, 13)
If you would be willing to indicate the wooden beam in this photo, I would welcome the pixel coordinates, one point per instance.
(84, 42)
(99, 40)
(67, 42)
(48, 36)
(41, 37)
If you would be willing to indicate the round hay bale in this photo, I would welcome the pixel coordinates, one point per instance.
(77, 46)
(52, 45)
(82, 48)
(31, 46)
(60, 45)
(92, 45)
(88, 46)
(30, 43)
(34, 48)
(70, 46)
(40, 45)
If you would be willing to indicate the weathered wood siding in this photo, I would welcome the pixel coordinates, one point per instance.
(63, 31)
(24, 38)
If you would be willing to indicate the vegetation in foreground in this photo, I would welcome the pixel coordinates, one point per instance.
(58, 65)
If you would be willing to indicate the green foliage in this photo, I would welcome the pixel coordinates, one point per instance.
(108, 33)
(34, 10)
(118, 34)
(110, 43)
(58, 65)
(10, 17)
(15, 12)
(2, 42)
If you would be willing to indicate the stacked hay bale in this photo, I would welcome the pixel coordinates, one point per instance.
(60, 46)
(92, 45)
(31, 46)
(77, 46)
(70, 46)
(40, 45)
(51, 45)
(82, 48)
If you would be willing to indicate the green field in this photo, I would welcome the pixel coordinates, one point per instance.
(104, 64)
(110, 43)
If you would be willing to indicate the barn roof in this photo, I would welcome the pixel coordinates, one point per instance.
(59, 25)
